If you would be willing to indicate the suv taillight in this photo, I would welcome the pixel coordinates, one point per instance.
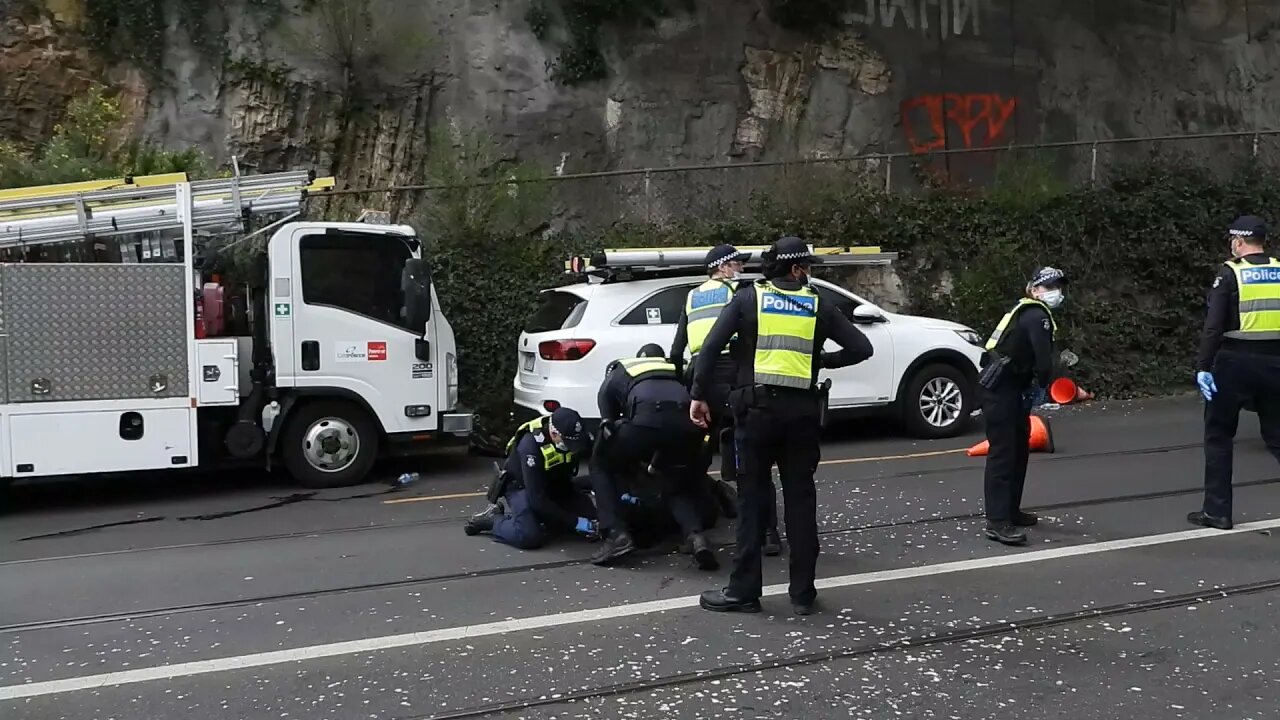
(565, 349)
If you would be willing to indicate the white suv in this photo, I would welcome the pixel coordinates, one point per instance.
(923, 370)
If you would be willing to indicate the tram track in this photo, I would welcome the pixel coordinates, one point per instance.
(918, 642)
(267, 537)
(413, 582)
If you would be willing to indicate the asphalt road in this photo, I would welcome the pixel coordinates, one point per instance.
(243, 597)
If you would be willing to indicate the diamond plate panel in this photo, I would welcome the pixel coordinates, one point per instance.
(95, 332)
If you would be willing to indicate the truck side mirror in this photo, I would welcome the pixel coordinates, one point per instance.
(416, 283)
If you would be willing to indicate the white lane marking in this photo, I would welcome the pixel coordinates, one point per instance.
(386, 642)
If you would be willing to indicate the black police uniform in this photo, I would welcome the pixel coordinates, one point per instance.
(775, 425)
(1245, 371)
(724, 375)
(540, 499)
(1027, 343)
(647, 413)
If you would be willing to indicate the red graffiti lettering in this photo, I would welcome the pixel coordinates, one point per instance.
(980, 119)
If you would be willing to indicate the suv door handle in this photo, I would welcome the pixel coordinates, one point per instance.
(310, 355)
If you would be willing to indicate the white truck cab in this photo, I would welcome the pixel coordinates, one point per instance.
(325, 350)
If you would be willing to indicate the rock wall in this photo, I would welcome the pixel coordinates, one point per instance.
(719, 84)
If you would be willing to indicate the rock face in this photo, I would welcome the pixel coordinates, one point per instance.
(716, 85)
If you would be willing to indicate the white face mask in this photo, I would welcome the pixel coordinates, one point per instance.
(1052, 298)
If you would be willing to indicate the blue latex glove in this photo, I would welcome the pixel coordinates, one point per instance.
(630, 499)
(1207, 386)
(586, 526)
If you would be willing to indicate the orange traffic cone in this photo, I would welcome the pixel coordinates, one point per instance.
(1040, 440)
(1064, 391)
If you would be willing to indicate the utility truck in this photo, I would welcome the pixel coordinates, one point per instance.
(145, 324)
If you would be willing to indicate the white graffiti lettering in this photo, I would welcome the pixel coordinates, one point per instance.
(954, 17)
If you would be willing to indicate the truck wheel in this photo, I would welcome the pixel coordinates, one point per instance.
(329, 444)
(936, 402)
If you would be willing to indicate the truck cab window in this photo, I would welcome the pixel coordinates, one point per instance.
(357, 272)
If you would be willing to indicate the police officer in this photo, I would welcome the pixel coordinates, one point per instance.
(1017, 370)
(781, 328)
(1239, 361)
(644, 409)
(701, 308)
(540, 499)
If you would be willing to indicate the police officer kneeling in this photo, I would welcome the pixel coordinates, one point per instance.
(781, 327)
(644, 409)
(536, 497)
(1016, 373)
(1238, 362)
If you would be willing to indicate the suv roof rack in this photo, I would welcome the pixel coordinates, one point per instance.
(623, 264)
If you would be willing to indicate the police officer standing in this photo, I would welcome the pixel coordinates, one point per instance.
(781, 327)
(644, 410)
(1239, 361)
(1017, 369)
(539, 498)
(701, 309)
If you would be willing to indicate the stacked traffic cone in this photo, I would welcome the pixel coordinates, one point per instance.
(1041, 439)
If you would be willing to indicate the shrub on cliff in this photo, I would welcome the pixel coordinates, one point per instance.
(1141, 251)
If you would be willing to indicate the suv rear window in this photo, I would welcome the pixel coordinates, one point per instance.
(556, 311)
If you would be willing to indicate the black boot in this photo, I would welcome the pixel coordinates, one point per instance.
(772, 542)
(702, 552)
(1006, 533)
(618, 544)
(1024, 519)
(1203, 520)
(723, 601)
(482, 522)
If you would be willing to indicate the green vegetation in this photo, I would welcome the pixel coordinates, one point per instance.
(577, 25)
(91, 143)
(1141, 249)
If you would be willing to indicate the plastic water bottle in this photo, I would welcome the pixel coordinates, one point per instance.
(407, 479)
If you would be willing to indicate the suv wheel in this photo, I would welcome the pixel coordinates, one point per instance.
(936, 402)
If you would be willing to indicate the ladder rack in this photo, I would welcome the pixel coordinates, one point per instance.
(607, 263)
(48, 214)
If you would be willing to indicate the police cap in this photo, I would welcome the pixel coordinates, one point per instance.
(568, 423)
(791, 250)
(651, 350)
(722, 254)
(1250, 228)
(1048, 277)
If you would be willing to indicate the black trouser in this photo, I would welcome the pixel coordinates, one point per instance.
(1008, 421)
(633, 445)
(1240, 377)
(721, 431)
(776, 425)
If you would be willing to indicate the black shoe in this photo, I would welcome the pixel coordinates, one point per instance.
(482, 522)
(800, 608)
(618, 544)
(1006, 533)
(1025, 519)
(722, 601)
(702, 552)
(726, 498)
(1203, 520)
(772, 543)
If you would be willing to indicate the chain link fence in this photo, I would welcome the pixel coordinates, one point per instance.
(669, 195)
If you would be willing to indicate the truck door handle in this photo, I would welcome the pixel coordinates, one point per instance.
(310, 355)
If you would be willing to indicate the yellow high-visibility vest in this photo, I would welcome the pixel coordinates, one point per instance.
(788, 321)
(1259, 288)
(702, 307)
(645, 368)
(551, 455)
(1008, 318)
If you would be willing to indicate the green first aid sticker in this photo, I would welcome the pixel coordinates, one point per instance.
(282, 309)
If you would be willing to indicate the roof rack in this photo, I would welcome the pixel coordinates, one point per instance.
(76, 211)
(626, 263)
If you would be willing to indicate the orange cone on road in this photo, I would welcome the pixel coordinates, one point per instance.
(1040, 440)
(1064, 391)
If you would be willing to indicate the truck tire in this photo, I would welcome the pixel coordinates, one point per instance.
(328, 444)
(936, 402)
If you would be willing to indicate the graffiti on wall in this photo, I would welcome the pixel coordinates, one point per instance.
(974, 119)
(950, 17)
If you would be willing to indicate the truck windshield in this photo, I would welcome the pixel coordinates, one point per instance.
(356, 271)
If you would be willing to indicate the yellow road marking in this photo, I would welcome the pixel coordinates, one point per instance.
(842, 461)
